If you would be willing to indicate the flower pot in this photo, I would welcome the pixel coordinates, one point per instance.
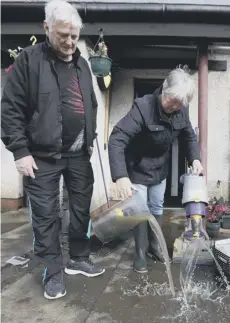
(226, 221)
(213, 228)
(101, 66)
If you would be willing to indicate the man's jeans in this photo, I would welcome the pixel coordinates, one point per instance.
(154, 196)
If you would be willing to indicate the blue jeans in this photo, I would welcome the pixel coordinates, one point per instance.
(154, 196)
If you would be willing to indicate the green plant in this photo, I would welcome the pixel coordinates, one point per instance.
(102, 50)
(15, 52)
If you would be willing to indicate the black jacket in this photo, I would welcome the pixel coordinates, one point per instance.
(139, 145)
(31, 109)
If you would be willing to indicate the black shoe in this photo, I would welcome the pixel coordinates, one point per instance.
(54, 288)
(140, 237)
(84, 267)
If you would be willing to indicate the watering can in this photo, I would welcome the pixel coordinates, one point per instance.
(120, 218)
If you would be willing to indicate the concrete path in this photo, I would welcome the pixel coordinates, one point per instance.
(119, 296)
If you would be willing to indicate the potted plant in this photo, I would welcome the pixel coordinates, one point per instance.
(15, 52)
(225, 221)
(100, 62)
(212, 226)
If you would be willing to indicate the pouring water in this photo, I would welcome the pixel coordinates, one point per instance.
(160, 237)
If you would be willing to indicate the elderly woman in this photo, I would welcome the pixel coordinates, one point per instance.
(139, 151)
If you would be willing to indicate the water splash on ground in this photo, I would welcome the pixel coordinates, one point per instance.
(146, 288)
(203, 299)
(195, 300)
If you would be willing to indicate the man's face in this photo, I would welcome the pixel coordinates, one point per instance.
(63, 38)
(170, 104)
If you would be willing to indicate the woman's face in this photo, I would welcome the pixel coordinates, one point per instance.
(170, 104)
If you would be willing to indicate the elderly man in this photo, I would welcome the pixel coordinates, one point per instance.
(139, 148)
(49, 113)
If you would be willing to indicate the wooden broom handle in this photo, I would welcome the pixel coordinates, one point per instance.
(106, 133)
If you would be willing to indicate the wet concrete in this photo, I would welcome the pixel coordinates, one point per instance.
(14, 219)
(120, 295)
(16, 238)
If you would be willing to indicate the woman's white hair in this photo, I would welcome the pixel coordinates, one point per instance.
(179, 85)
(61, 10)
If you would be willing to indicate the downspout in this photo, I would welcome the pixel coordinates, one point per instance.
(203, 104)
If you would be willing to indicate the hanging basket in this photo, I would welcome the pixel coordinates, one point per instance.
(101, 66)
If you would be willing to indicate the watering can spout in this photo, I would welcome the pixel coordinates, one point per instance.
(120, 218)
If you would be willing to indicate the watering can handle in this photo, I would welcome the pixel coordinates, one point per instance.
(182, 179)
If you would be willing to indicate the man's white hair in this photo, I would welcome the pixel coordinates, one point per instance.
(61, 10)
(179, 85)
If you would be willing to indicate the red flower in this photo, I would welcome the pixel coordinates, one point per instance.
(8, 69)
(211, 218)
(221, 208)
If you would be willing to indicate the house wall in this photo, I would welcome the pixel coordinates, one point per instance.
(11, 181)
(218, 118)
(218, 128)
(99, 197)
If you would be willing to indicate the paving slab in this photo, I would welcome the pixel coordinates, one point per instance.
(11, 220)
(120, 295)
(16, 242)
(26, 295)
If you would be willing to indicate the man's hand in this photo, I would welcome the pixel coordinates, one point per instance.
(125, 187)
(26, 166)
(197, 168)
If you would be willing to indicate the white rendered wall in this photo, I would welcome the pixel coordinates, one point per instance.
(11, 181)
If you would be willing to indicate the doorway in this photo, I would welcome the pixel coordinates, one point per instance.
(177, 164)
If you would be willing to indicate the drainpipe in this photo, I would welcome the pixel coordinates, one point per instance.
(203, 104)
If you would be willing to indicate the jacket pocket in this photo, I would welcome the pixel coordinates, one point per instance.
(45, 127)
(156, 135)
(33, 121)
(179, 125)
(147, 165)
(155, 127)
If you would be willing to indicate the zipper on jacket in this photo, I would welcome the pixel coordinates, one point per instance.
(59, 109)
(168, 121)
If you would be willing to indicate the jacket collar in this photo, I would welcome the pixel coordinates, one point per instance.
(52, 55)
(157, 93)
